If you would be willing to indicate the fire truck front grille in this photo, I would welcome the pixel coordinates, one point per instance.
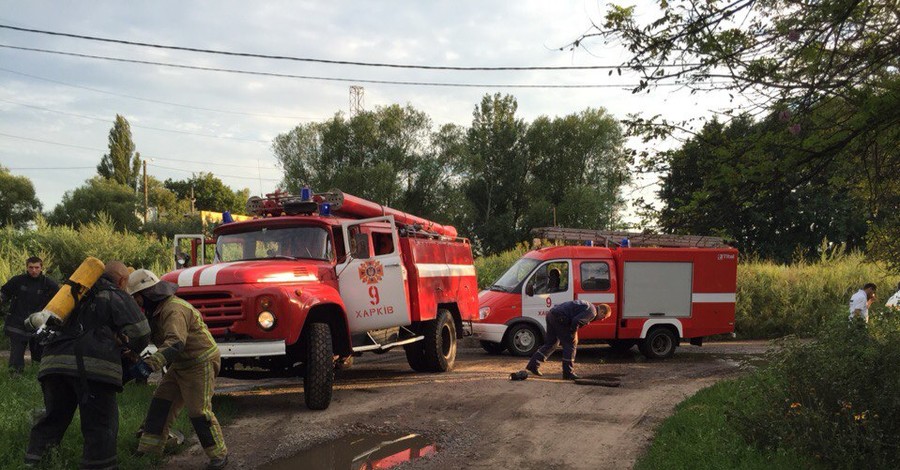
(219, 309)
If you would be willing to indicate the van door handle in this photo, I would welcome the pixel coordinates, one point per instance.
(391, 265)
(657, 314)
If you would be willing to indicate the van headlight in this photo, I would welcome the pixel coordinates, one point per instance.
(483, 312)
(266, 320)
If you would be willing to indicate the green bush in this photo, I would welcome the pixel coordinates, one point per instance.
(835, 399)
(64, 248)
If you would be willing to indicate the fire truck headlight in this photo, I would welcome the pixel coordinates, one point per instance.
(483, 312)
(266, 320)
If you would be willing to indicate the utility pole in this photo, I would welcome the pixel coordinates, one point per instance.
(146, 194)
(192, 199)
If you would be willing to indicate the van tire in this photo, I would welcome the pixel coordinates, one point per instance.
(493, 348)
(660, 343)
(440, 342)
(523, 339)
(318, 379)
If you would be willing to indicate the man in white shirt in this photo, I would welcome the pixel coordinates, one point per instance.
(894, 301)
(859, 303)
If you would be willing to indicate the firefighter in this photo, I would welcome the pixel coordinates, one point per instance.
(27, 293)
(185, 345)
(82, 369)
(563, 322)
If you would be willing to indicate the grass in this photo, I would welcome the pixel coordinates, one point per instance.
(700, 436)
(20, 398)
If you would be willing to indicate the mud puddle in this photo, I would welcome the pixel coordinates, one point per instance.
(358, 452)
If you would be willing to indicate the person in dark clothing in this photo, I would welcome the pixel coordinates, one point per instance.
(82, 369)
(27, 293)
(563, 322)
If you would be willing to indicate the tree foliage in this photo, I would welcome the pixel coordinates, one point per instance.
(121, 164)
(18, 203)
(89, 202)
(494, 180)
(830, 72)
(209, 192)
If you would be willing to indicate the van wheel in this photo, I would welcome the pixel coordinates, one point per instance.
(660, 343)
(523, 340)
(492, 347)
(318, 380)
(440, 342)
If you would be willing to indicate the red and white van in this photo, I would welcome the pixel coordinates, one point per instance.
(658, 297)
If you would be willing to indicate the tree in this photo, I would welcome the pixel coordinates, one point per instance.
(210, 193)
(704, 191)
(97, 196)
(121, 164)
(18, 203)
(828, 70)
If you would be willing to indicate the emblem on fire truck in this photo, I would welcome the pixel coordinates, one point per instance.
(371, 272)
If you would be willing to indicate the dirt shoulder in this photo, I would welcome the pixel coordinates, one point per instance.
(478, 417)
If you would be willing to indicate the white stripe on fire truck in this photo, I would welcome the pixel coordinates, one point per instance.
(598, 298)
(186, 277)
(725, 297)
(445, 270)
(208, 275)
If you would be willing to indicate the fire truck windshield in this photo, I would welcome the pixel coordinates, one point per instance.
(515, 274)
(275, 243)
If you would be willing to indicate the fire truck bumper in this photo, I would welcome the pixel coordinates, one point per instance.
(251, 348)
(488, 332)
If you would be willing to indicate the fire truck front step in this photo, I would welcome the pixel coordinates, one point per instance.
(383, 340)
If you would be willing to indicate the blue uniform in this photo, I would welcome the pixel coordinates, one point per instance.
(563, 322)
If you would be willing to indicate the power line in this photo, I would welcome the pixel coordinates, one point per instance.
(244, 177)
(331, 79)
(308, 59)
(54, 168)
(149, 100)
(133, 125)
(143, 156)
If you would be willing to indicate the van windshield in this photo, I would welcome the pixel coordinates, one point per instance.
(515, 274)
(275, 243)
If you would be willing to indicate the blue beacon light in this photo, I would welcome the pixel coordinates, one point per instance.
(325, 209)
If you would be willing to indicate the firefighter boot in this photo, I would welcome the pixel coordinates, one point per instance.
(569, 371)
(533, 367)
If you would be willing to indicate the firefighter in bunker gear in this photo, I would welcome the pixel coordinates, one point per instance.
(563, 322)
(27, 293)
(82, 369)
(192, 356)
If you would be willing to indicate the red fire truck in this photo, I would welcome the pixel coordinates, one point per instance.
(682, 289)
(319, 278)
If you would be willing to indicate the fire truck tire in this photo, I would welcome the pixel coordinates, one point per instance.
(440, 342)
(415, 356)
(523, 340)
(319, 377)
(492, 347)
(660, 343)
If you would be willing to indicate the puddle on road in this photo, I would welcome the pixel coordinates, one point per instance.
(358, 452)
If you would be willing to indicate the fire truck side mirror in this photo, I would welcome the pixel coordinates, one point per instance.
(360, 246)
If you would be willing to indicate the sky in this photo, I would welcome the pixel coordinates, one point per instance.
(56, 111)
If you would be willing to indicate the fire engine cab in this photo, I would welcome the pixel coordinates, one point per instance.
(683, 288)
(313, 280)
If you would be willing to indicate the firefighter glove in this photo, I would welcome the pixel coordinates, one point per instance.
(38, 319)
(140, 370)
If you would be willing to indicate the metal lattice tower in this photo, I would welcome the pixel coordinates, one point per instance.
(357, 101)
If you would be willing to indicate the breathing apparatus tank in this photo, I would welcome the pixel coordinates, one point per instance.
(74, 289)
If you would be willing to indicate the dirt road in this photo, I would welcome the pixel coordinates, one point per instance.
(475, 416)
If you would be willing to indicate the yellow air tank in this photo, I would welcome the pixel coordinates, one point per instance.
(62, 304)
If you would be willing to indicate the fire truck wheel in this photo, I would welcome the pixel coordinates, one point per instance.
(523, 340)
(415, 356)
(492, 347)
(660, 343)
(440, 342)
(319, 377)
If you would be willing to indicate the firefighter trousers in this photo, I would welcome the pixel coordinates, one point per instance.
(17, 346)
(559, 332)
(99, 420)
(191, 388)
